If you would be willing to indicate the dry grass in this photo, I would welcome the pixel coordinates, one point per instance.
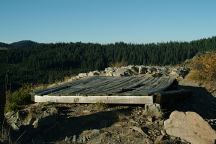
(5, 136)
(203, 67)
(18, 99)
(101, 106)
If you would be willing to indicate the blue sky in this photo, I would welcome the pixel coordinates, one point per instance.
(107, 21)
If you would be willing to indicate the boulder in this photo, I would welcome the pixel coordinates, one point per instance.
(37, 115)
(191, 127)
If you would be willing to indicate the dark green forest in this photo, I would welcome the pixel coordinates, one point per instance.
(28, 62)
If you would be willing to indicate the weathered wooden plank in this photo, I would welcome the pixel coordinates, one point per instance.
(84, 86)
(115, 84)
(107, 86)
(63, 86)
(95, 99)
(143, 88)
(119, 87)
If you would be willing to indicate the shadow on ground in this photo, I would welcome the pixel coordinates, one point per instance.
(200, 101)
(63, 126)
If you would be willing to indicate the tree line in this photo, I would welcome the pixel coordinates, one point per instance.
(30, 62)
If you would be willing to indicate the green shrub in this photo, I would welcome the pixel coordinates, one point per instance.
(18, 99)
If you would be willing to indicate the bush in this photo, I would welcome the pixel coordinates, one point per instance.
(204, 67)
(18, 99)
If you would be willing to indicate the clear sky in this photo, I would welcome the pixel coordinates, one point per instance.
(106, 21)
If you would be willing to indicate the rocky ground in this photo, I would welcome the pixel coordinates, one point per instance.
(132, 70)
(121, 124)
(93, 123)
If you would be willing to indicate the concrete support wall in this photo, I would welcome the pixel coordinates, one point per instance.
(96, 99)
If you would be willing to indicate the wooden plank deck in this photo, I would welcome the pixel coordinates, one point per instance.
(118, 90)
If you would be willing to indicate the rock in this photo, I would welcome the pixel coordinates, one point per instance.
(82, 75)
(94, 73)
(122, 72)
(159, 139)
(134, 69)
(12, 119)
(174, 72)
(191, 127)
(88, 134)
(147, 141)
(182, 71)
(152, 70)
(109, 69)
(164, 70)
(74, 139)
(45, 119)
(142, 70)
(150, 119)
(153, 110)
(138, 130)
(158, 74)
(86, 111)
(36, 115)
(163, 132)
(109, 73)
(179, 72)
(66, 139)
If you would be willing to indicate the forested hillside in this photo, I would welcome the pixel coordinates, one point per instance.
(31, 62)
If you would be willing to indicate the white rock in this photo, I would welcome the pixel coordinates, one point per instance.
(142, 70)
(94, 73)
(191, 127)
(109, 73)
(109, 69)
(82, 75)
(152, 70)
(122, 72)
(134, 69)
(174, 72)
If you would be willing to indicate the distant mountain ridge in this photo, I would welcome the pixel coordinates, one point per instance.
(3, 44)
(30, 43)
(23, 43)
(19, 44)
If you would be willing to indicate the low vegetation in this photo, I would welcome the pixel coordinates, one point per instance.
(203, 67)
(18, 99)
